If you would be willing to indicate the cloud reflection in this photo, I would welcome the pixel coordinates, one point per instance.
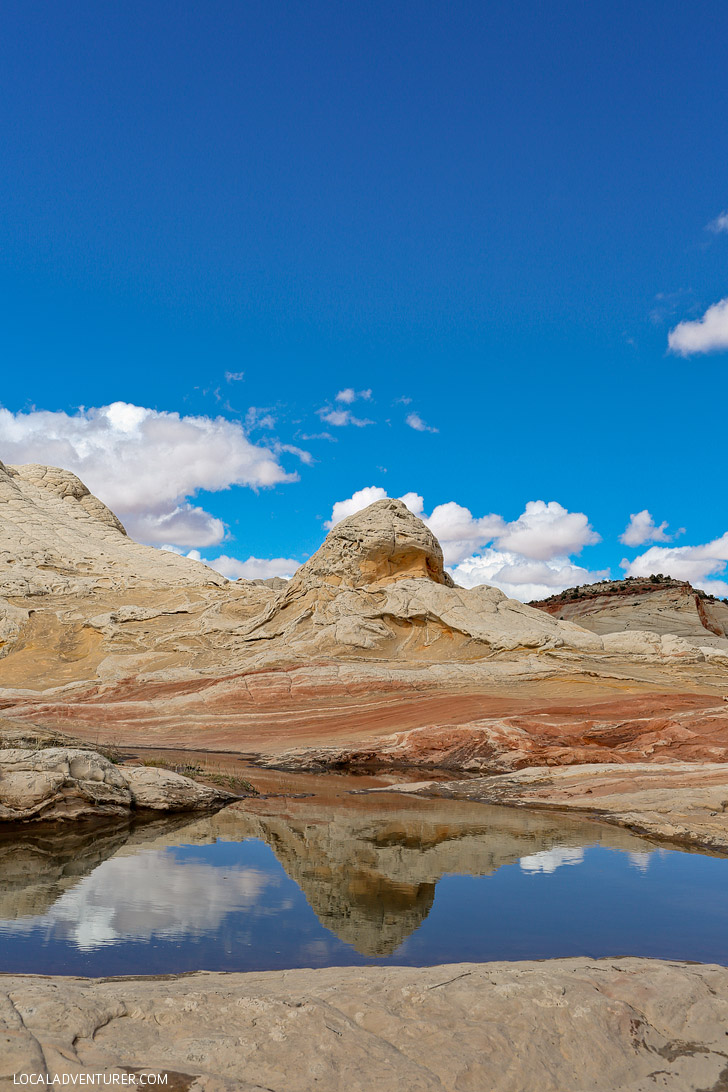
(152, 894)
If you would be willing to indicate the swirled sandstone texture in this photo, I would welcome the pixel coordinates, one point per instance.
(622, 1025)
(115, 641)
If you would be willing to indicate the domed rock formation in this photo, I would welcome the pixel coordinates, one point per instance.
(378, 584)
(375, 547)
(57, 537)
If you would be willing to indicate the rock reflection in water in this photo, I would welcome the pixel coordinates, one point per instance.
(367, 866)
(370, 871)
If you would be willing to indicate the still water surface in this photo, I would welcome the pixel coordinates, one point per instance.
(335, 879)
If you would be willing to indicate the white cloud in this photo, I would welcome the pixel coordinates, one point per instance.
(521, 577)
(414, 502)
(234, 377)
(259, 418)
(720, 224)
(706, 335)
(349, 395)
(642, 528)
(356, 503)
(548, 530)
(145, 463)
(548, 860)
(153, 893)
(476, 549)
(459, 533)
(339, 418)
(305, 456)
(702, 565)
(319, 436)
(255, 568)
(415, 421)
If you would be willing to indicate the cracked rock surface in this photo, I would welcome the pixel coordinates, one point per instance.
(559, 1026)
(68, 783)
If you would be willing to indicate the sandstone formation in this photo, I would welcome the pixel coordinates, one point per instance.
(616, 1025)
(616, 731)
(61, 783)
(657, 605)
(378, 584)
(57, 537)
(108, 639)
(679, 802)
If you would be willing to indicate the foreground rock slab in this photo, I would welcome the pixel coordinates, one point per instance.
(683, 802)
(556, 1026)
(71, 783)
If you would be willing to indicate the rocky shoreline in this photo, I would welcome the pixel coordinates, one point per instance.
(66, 783)
(680, 802)
(562, 1025)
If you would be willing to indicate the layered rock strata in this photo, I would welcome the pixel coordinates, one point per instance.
(659, 605)
(99, 635)
(681, 802)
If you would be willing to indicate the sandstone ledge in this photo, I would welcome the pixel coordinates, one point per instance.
(555, 1026)
(681, 802)
(60, 783)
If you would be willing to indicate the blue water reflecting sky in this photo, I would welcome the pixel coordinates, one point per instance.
(231, 905)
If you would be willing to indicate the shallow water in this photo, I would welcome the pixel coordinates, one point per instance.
(334, 879)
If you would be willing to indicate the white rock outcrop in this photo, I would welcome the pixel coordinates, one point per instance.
(378, 584)
(562, 1025)
(58, 538)
(62, 783)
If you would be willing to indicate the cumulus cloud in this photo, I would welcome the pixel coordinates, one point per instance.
(702, 565)
(720, 224)
(642, 528)
(706, 335)
(460, 534)
(358, 501)
(255, 568)
(145, 464)
(523, 578)
(349, 395)
(415, 421)
(527, 558)
(548, 530)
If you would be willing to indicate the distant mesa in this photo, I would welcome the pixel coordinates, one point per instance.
(656, 604)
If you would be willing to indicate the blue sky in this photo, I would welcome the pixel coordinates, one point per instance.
(490, 216)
